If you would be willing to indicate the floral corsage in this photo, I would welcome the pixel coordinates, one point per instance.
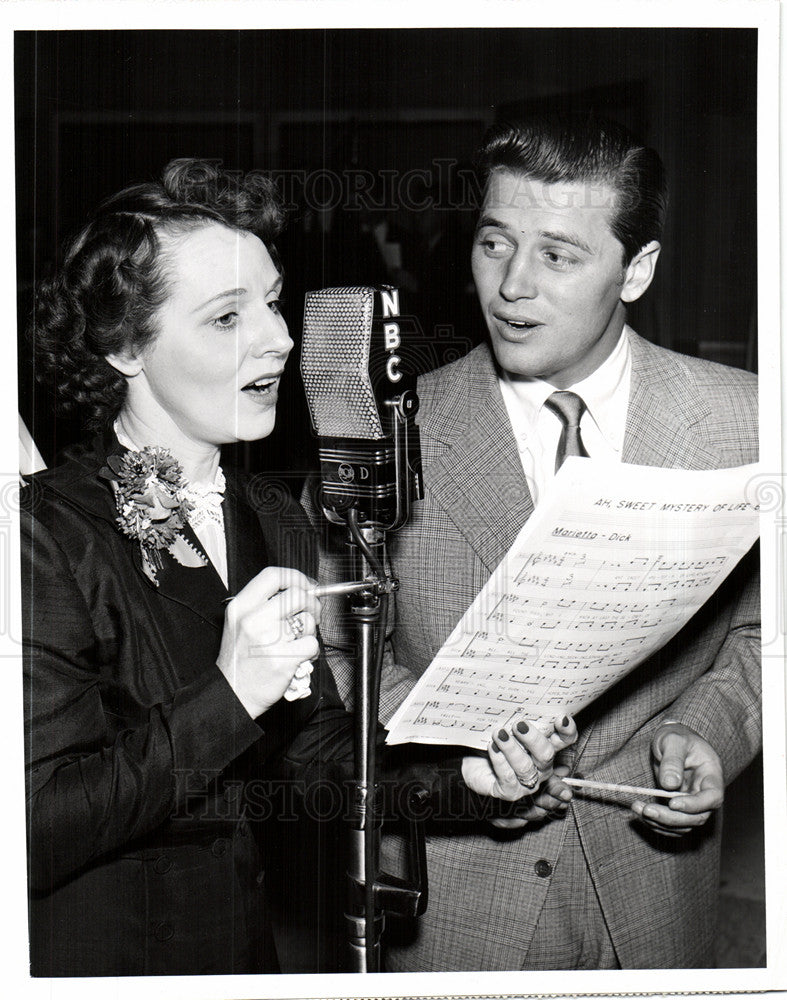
(152, 506)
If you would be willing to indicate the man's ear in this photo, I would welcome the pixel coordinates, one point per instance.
(640, 271)
(127, 364)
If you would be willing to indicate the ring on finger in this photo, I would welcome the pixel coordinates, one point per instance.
(529, 782)
(295, 625)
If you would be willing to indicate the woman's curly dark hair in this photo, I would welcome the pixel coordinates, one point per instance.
(104, 298)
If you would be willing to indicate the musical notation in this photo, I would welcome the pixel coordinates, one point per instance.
(595, 583)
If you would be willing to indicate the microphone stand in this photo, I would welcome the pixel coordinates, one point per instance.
(369, 611)
(370, 893)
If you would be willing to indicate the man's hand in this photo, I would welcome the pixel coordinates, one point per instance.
(685, 762)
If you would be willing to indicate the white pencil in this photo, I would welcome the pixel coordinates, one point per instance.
(327, 589)
(632, 789)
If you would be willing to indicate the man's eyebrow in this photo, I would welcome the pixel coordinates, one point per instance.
(569, 238)
(233, 293)
(488, 220)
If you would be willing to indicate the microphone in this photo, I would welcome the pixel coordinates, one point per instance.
(359, 382)
(360, 390)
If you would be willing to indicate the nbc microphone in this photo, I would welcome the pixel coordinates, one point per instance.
(360, 390)
(361, 396)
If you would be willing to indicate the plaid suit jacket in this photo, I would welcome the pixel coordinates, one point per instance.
(658, 894)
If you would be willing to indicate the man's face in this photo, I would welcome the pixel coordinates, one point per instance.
(550, 276)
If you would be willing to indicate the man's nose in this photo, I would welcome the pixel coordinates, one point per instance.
(519, 279)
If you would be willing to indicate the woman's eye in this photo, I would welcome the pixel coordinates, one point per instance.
(226, 321)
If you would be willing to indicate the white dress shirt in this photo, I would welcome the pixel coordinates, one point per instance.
(603, 425)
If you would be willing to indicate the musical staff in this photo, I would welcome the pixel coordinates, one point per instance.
(612, 564)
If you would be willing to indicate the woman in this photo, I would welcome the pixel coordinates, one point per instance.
(165, 323)
(168, 653)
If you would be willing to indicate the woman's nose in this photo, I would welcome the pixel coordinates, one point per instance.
(518, 280)
(270, 336)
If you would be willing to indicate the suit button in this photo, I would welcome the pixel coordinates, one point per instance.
(162, 865)
(219, 848)
(543, 868)
(163, 932)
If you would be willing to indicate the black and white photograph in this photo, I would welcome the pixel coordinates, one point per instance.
(394, 557)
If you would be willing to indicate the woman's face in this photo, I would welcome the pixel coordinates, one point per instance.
(212, 371)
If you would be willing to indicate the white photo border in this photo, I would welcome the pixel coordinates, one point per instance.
(223, 14)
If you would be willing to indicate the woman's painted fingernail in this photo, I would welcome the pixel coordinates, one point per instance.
(522, 727)
(496, 748)
(564, 723)
(502, 735)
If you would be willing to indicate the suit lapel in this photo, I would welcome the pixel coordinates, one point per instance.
(199, 588)
(662, 430)
(473, 467)
(246, 549)
(665, 413)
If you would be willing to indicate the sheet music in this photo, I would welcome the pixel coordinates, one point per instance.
(611, 565)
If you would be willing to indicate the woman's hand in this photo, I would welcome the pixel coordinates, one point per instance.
(549, 802)
(518, 762)
(260, 652)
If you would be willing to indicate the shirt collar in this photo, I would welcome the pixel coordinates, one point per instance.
(605, 392)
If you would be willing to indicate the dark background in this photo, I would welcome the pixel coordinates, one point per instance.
(97, 110)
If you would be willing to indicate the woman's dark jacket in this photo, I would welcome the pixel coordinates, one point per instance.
(144, 771)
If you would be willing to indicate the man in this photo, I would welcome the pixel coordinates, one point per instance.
(569, 234)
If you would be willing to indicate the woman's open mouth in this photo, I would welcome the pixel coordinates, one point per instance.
(263, 387)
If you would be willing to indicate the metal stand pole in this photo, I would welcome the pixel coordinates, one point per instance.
(364, 915)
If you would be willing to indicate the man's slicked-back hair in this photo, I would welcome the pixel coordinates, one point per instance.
(591, 150)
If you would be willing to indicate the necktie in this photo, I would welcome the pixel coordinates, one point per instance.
(569, 407)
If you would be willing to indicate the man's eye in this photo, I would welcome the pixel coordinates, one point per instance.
(226, 321)
(559, 260)
(276, 305)
(493, 246)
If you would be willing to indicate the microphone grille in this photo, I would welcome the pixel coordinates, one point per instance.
(337, 331)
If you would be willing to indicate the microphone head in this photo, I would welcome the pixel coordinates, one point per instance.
(351, 359)
(362, 400)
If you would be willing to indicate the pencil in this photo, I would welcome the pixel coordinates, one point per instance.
(328, 589)
(631, 789)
